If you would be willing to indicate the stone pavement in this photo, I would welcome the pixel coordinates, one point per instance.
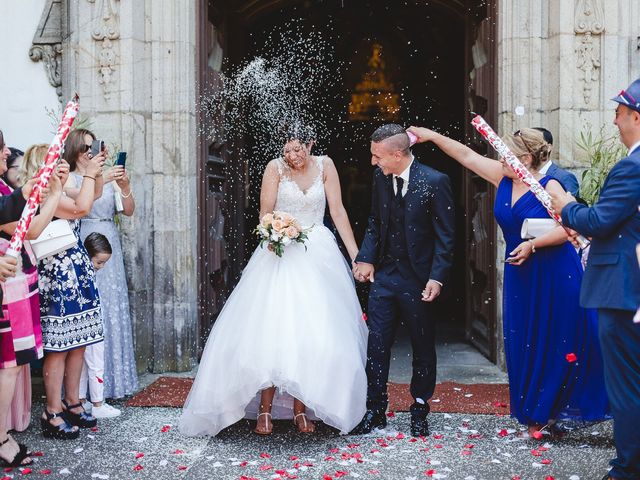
(144, 443)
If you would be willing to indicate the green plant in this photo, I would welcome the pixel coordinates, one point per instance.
(603, 151)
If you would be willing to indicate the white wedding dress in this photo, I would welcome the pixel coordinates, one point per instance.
(293, 322)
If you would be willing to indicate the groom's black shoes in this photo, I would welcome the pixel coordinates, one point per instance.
(370, 421)
(419, 425)
(419, 422)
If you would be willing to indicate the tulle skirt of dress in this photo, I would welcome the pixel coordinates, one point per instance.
(293, 322)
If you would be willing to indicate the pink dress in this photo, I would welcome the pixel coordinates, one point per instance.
(20, 331)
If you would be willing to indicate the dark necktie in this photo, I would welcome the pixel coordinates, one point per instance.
(399, 184)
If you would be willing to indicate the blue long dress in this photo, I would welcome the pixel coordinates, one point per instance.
(543, 322)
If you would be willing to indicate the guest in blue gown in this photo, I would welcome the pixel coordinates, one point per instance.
(551, 343)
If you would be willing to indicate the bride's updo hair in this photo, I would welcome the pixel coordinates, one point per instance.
(298, 131)
(531, 141)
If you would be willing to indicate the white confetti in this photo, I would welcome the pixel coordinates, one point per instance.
(163, 462)
(65, 471)
(78, 450)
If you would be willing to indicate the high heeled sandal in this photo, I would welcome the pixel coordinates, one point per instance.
(82, 419)
(18, 458)
(304, 429)
(64, 431)
(263, 432)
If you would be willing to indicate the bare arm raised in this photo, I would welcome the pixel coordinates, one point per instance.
(490, 170)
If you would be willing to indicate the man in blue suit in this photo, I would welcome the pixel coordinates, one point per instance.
(565, 177)
(409, 246)
(611, 282)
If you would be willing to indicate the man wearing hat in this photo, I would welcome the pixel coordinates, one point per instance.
(611, 281)
(565, 177)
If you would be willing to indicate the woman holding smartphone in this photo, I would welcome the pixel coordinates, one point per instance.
(116, 355)
(551, 343)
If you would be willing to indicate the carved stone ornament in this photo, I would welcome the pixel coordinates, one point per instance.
(47, 44)
(589, 17)
(106, 29)
(588, 25)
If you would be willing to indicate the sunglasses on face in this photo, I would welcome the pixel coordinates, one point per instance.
(86, 148)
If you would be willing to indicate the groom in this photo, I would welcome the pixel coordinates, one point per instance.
(407, 253)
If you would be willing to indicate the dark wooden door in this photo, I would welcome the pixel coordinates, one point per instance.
(481, 306)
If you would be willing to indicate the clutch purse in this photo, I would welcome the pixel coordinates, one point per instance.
(534, 227)
(55, 238)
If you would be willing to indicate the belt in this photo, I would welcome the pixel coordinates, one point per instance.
(97, 219)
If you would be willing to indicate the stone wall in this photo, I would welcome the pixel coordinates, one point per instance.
(133, 63)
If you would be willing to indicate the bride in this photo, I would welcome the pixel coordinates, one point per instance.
(290, 341)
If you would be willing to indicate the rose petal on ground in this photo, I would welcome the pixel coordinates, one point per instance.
(391, 414)
(137, 468)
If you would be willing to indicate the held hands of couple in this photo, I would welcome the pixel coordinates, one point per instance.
(363, 272)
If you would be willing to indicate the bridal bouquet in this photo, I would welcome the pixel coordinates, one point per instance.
(279, 229)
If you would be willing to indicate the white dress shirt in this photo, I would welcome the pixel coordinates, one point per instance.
(404, 176)
(545, 168)
(633, 147)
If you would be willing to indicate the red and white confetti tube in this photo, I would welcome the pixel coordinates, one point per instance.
(50, 161)
(523, 174)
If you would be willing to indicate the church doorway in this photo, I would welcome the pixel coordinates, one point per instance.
(409, 62)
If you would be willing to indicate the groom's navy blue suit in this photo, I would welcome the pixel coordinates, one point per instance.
(409, 240)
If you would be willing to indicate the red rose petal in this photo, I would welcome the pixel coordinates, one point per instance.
(137, 468)
(37, 454)
(546, 461)
(265, 455)
(165, 429)
(571, 357)
(94, 429)
(293, 458)
(430, 473)
(46, 471)
(364, 316)
(391, 414)
(503, 433)
(340, 473)
(182, 467)
(99, 379)
(549, 477)
(139, 455)
(178, 452)
(327, 477)
(466, 452)
(437, 437)
(26, 471)
(535, 453)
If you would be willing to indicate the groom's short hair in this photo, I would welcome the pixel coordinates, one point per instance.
(389, 130)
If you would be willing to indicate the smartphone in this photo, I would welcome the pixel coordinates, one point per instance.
(96, 147)
(121, 159)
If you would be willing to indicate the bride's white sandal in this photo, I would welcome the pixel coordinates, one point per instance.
(267, 430)
(308, 427)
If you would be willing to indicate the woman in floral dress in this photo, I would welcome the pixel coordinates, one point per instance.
(69, 302)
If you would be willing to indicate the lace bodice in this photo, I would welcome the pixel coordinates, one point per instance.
(308, 207)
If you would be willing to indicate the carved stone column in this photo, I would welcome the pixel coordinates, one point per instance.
(47, 44)
(133, 65)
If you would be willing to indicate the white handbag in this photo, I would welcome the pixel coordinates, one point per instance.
(55, 238)
(534, 227)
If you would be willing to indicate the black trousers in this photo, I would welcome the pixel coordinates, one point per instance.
(395, 297)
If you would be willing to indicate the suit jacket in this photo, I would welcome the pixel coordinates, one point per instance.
(612, 277)
(566, 178)
(429, 222)
(11, 206)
